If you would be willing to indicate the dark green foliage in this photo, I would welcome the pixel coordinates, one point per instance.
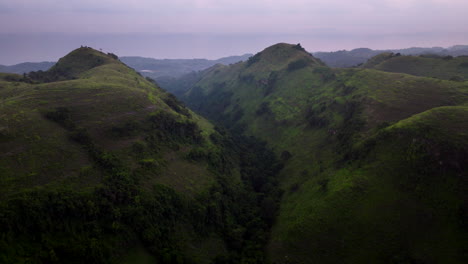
(73, 227)
(285, 155)
(110, 202)
(61, 115)
(314, 119)
(299, 47)
(176, 105)
(197, 154)
(129, 129)
(81, 136)
(150, 80)
(13, 78)
(457, 78)
(217, 102)
(346, 90)
(112, 55)
(298, 64)
(93, 226)
(248, 78)
(342, 200)
(323, 184)
(463, 65)
(165, 126)
(252, 209)
(237, 115)
(253, 59)
(264, 109)
(350, 128)
(326, 73)
(271, 82)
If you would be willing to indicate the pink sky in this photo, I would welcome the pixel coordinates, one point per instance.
(246, 25)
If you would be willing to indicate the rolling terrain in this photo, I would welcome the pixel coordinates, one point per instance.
(375, 162)
(447, 68)
(368, 165)
(100, 165)
(355, 57)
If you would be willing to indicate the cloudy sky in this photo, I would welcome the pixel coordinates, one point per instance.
(36, 30)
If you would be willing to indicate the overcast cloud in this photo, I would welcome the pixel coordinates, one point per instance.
(223, 27)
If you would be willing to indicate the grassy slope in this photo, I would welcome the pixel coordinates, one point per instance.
(337, 208)
(438, 67)
(38, 154)
(102, 98)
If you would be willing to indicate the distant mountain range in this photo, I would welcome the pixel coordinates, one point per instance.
(163, 70)
(344, 58)
(153, 68)
(26, 67)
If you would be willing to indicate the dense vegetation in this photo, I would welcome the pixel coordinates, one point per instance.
(375, 162)
(99, 162)
(307, 164)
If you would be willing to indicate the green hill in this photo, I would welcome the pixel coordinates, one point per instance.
(352, 58)
(448, 68)
(375, 162)
(100, 165)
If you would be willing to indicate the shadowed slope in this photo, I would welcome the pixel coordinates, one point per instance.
(356, 187)
(97, 160)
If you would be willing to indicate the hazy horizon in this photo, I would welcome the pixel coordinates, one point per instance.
(49, 29)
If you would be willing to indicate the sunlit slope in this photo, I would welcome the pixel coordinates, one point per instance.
(355, 185)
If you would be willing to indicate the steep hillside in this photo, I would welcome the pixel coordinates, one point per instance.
(100, 165)
(375, 162)
(448, 68)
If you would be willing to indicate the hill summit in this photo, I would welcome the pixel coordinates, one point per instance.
(280, 55)
(98, 162)
(375, 162)
(73, 64)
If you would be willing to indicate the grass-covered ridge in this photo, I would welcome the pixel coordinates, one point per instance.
(373, 159)
(442, 67)
(98, 162)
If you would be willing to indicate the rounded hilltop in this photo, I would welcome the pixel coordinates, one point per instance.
(81, 60)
